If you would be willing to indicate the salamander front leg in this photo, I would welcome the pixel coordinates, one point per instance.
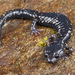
(70, 50)
(34, 30)
(50, 39)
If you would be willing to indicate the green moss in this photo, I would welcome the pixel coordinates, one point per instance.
(42, 43)
(52, 32)
(45, 39)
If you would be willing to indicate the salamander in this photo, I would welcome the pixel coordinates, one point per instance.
(61, 23)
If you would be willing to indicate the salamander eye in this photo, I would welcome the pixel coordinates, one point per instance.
(56, 56)
(46, 55)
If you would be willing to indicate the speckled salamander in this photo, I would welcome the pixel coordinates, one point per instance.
(56, 50)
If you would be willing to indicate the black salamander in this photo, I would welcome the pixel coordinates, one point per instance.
(56, 50)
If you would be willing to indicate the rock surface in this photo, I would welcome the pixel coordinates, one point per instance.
(20, 53)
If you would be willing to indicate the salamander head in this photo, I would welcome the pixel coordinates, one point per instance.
(54, 52)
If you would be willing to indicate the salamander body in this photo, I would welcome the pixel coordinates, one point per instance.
(58, 21)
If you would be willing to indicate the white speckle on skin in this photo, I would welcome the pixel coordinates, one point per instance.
(45, 18)
(67, 35)
(20, 12)
(59, 30)
(69, 31)
(17, 12)
(70, 28)
(54, 21)
(46, 54)
(24, 12)
(6, 24)
(49, 60)
(42, 16)
(71, 49)
(13, 12)
(49, 19)
(54, 59)
(30, 14)
(62, 45)
(54, 53)
(10, 14)
(57, 23)
(59, 51)
(59, 26)
(47, 51)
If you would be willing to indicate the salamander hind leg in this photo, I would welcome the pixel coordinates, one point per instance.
(33, 28)
(50, 39)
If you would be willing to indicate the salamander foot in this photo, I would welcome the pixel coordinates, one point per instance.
(35, 31)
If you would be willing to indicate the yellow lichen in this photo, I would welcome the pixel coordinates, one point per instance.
(43, 43)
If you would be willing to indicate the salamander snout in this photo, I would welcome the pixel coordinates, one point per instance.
(54, 52)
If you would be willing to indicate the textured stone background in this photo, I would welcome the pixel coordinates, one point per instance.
(20, 53)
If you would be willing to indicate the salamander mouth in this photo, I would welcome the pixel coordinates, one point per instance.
(54, 60)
